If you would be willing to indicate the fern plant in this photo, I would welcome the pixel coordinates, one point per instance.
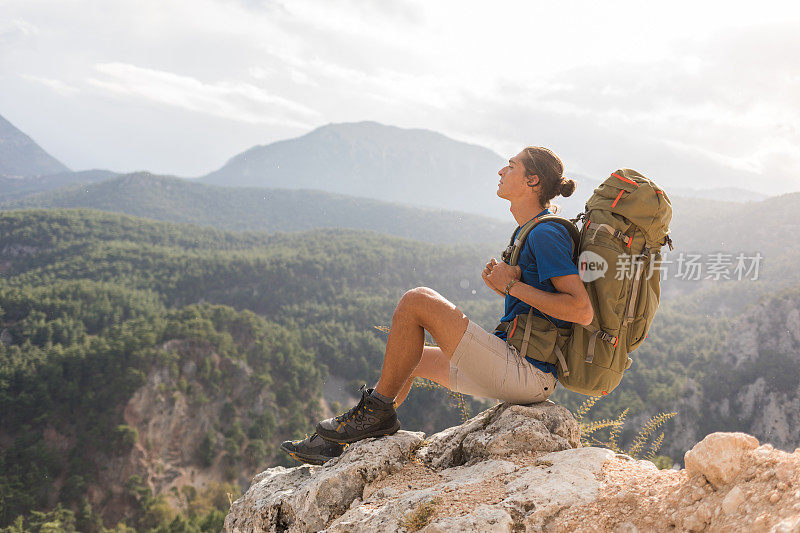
(456, 398)
(639, 449)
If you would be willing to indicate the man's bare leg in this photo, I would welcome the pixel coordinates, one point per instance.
(434, 365)
(419, 310)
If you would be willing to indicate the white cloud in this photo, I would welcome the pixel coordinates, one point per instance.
(685, 85)
(261, 73)
(233, 100)
(58, 86)
(731, 96)
(16, 30)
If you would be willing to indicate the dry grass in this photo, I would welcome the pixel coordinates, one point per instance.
(421, 516)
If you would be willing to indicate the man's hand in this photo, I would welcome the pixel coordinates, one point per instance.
(485, 275)
(502, 274)
(498, 275)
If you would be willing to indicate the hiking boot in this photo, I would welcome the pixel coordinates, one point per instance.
(369, 418)
(312, 450)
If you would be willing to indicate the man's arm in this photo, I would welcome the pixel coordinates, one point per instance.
(570, 303)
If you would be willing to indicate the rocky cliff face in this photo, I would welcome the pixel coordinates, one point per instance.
(174, 415)
(520, 468)
(755, 383)
(763, 360)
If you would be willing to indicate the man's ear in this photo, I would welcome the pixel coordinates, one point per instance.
(530, 180)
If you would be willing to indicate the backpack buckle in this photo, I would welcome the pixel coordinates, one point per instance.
(611, 339)
(506, 255)
(621, 236)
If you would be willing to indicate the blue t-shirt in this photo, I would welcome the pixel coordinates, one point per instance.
(547, 253)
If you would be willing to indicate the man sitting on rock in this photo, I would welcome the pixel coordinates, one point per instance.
(469, 359)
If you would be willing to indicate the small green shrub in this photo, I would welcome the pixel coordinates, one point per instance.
(125, 437)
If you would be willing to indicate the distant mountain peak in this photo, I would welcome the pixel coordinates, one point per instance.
(20, 156)
(364, 125)
(369, 159)
(377, 131)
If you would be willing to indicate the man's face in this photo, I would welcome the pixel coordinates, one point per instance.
(513, 182)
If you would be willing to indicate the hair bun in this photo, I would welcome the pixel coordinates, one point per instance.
(567, 187)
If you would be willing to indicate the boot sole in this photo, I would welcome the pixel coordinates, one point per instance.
(350, 440)
(316, 460)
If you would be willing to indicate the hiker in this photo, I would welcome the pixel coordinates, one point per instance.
(468, 359)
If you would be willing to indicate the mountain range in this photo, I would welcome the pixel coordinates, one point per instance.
(362, 159)
(368, 159)
(174, 199)
(698, 226)
(20, 156)
(701, 225)
(12, 188)
(412, 166)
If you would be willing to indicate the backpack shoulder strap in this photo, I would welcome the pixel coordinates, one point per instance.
(512, 253)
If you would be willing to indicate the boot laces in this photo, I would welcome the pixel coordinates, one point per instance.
(353, 411)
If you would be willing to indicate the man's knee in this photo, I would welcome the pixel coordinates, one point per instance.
(414, 301)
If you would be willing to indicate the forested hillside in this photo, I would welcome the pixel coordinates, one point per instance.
(102, 313)
(75, 355)
(254, 208)
(698, 226)
(140, 358)
(12, 188)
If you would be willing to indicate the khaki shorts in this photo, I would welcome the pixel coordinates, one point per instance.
(485, 365)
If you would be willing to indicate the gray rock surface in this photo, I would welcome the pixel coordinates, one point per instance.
(540, 492)
(344, 494)
(514, 468)
(307, 498)
(503, 430)
(485, 518)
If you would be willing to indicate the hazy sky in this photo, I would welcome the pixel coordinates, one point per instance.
(695, 94)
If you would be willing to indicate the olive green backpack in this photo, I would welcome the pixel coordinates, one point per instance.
(625, 224)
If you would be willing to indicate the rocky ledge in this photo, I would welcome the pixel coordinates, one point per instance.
(521, 468)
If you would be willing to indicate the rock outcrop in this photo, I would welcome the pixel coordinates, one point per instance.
(719, 457)
(520, 468)
(755, 388)
(172, 423)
